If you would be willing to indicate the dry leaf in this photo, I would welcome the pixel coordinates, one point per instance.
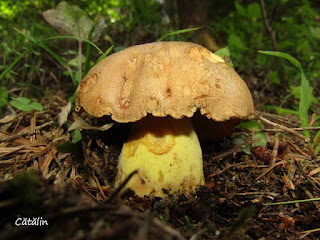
(8, 118)
(72, 20)
(81, 124)
(63, 115)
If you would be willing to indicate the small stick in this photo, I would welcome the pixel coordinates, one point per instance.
(25, 132)
(273, 38)
(287, 120)
(305, 175)
(100, 189)
(276, 125)
(306, 233)
(122, 185)
(313, 119)
(232, 150)
(282, 130)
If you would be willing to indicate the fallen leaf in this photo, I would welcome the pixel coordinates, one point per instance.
(81, 124)
(72, 20)
(63, 115)
(8, 118)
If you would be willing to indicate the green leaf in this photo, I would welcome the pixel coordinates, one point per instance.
(236, 42)
(3, 96)
(36, 106)
(296, 91)
(260, 138)
(244, 148)
(76, 136)
(253, 11)
(273, 77)
(71, 20)
(281, 110)
(224, 53)
(67, 147)
(294, 61)
(178, 32)
(240, 9)
(24, 104)
(74, 62)
(22, 100)
(20, 106)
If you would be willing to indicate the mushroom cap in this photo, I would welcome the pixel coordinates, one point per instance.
(164, 79)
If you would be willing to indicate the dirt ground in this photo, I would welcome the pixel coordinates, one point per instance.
(74, 192)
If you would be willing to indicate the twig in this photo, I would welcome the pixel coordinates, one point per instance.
(85, 190)
(122, 185)
(272, 37)
(306, 233)
(292, 202)
(285, 119)
(276, 125)
(225, 169)
(100, 188)
(267, 26)
(232, 150)
(19, 134)
(269, 169)
(281, 130)
(309, 194)
(305, 175)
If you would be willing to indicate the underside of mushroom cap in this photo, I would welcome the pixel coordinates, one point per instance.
(164, 79)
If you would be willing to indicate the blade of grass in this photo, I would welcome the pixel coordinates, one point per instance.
(105, 54)
(280, 110)
(88, 51)
(316, 143)
(178, 32)
(7, 69)
(50, 51)
(292, 202)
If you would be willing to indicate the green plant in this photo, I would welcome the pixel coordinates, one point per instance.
(297, 32)
(3, 97)
(71, 20)
(259, 138)
(243, 28)
(304, 95)
(177, 32)
(25, 104)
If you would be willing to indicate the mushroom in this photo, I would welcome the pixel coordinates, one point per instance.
(159, 87)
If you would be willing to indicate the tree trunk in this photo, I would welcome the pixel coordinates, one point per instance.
(194, 14)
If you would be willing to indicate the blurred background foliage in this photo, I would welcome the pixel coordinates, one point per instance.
(236, 24)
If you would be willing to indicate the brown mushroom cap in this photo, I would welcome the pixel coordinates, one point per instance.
(164, 79)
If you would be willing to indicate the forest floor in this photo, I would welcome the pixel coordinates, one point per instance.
(74, 192)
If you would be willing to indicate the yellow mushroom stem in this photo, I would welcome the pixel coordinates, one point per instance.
(167, 154)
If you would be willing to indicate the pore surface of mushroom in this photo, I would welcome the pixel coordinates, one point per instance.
(170, 81)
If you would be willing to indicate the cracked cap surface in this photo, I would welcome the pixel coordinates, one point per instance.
(164, 79)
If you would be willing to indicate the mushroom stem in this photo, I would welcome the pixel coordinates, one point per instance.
(167, 154)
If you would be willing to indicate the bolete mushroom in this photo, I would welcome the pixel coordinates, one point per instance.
(169, 82)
